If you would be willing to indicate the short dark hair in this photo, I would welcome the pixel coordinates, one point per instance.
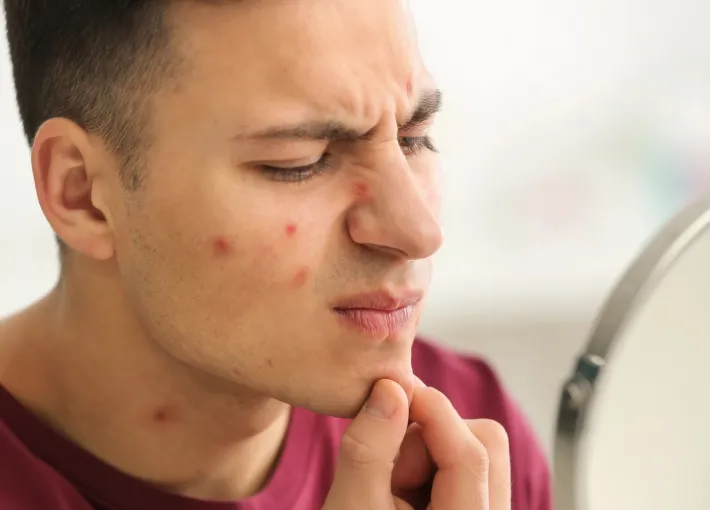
(94, 62)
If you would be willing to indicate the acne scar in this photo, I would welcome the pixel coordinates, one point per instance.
(362, 190)
(300, 278)
(222, 246)
(291, 229)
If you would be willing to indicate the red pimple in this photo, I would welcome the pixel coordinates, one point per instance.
(300, 278)
(291, 229)
(222, 246)
(362, 190)
(165, 414)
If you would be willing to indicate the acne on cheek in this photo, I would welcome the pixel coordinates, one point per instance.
(300, 278)
(222, 246)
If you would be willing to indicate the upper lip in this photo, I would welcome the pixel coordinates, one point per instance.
(383, 301)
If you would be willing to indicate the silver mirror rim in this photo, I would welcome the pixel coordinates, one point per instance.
(631, 291)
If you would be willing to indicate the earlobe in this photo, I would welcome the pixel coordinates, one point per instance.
(61, 159)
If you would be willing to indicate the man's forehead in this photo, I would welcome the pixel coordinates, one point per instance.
(273, 29)
(260, 56)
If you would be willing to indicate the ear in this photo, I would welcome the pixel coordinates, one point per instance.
(65, 174)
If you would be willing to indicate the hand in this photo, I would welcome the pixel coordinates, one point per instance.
(385, 465)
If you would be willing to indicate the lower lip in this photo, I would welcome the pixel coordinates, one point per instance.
(377, 322)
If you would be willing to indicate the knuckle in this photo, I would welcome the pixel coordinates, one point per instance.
(438, 398)
(355, 451)
(492, 434)
(493, 437)
(476, 455)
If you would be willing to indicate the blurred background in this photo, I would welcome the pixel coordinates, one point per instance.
(572, 130)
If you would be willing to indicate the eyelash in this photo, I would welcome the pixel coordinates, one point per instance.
(411, 145)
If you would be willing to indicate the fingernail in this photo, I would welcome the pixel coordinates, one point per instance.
(381, 404)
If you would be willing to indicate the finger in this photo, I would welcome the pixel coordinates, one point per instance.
(414, 466)
(494, 438)
(368, 450)
(462, 477)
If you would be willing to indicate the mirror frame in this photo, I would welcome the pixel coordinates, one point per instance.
(629, 294)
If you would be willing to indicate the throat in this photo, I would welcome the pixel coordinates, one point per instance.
(235, 472)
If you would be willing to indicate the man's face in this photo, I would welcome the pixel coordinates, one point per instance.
(277, 193)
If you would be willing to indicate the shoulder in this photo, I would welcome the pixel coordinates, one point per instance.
(27, 483)
(476, 391)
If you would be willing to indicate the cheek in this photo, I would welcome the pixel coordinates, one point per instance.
(278, 257)
(222, 247)
(431, 185)
(432, 195)
(300, 278)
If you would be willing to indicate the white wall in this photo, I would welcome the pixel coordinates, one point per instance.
(571, 130)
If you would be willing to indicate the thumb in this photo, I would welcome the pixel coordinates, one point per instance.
(368, 450)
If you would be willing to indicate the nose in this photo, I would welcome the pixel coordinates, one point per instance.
(400, 214)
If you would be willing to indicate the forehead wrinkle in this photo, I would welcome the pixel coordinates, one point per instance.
(360, 99)
(356, 69)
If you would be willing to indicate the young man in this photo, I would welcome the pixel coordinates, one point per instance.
(246, 198)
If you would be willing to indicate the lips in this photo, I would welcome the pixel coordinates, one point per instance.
(378, 314)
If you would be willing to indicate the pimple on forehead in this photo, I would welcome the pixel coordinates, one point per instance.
(291, 229)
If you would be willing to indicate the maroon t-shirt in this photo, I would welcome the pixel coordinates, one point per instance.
(41, 470)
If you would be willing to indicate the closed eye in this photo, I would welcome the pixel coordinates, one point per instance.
(410, 145)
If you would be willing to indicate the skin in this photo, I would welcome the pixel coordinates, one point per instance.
(198, 309)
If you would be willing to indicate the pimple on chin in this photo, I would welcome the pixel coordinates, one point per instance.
(291, 229)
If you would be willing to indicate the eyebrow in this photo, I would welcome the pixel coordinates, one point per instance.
(429, 105)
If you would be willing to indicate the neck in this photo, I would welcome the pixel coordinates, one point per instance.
(87, 367)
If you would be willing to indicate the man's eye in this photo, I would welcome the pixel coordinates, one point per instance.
(413, 144)
(297, 173)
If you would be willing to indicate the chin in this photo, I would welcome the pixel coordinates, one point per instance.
(344, 407)
(346, 398)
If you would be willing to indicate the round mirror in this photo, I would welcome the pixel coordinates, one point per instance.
(634, 420)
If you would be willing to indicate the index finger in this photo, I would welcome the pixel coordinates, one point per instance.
(462, 478)
(447, 436)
